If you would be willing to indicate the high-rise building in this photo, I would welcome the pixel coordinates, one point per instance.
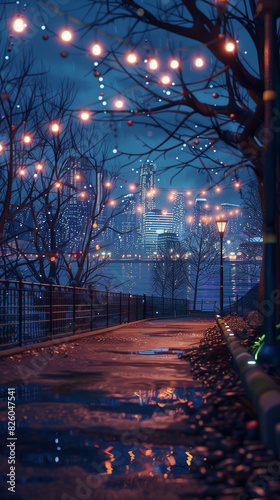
(200, 210)
(128, 238)
(147, 186)
(147, 200)
(155, 222)
(76, 187)
(178, 211)
(233, 215)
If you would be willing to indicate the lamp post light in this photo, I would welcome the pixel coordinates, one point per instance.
(221, 226)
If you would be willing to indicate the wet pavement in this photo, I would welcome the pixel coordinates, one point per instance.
(106, 417)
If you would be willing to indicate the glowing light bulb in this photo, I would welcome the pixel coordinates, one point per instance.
(188, 193)
(19, 25)
(96, 49)
(66, 36)
(85, 116)
(27, 139)
(97, 247)
(230, 47)
(22, 171)
(83, 194)
(199, 62)
(58, 185)
(1, 148)
(165, 79)
(108, 184)
(39, 166)
(218, 189)
(52, 259)
(112, 202)
(174, 64)
(55, 127)
(153, 64)
(119, 103)
(131, 58)
(94, 225)
(237, 184)
(77, 177)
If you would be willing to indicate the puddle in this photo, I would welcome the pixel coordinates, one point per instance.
(158, 352)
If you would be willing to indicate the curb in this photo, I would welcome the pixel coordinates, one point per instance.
(261, 389)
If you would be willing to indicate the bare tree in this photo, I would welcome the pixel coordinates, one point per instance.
(223, 106)
(203, 257)
(168, 277)
(251, 247)
(55, 204)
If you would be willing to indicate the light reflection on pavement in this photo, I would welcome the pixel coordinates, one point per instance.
(108, 416)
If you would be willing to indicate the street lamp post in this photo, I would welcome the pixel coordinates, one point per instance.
(221, 226)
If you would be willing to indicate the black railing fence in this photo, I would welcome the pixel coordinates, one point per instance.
(33, 312)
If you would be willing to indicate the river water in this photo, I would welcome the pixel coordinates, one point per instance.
(136, 278)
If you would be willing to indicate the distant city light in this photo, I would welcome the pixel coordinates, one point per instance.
(66, 36)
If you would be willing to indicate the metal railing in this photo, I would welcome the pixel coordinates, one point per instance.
(34, 312)
(243, 305)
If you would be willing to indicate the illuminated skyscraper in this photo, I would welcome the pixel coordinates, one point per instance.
(147, 186)
(155, 222)
(178, 211)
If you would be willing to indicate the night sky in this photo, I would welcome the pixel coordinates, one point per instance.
(79, 67)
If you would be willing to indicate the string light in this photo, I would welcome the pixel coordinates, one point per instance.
(230, 46)
(66, 36)
(199, 62)
(131, 58)
(96, 49)
(85, 116)
(119, 103)
(39, 166)
(55, 127)
(165, 79)
(22, 171)
(19, 25)
(153, 64)
(27, 139)
(174, 64)
(1, 148)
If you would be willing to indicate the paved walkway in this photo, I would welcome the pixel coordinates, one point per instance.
(106, 417)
